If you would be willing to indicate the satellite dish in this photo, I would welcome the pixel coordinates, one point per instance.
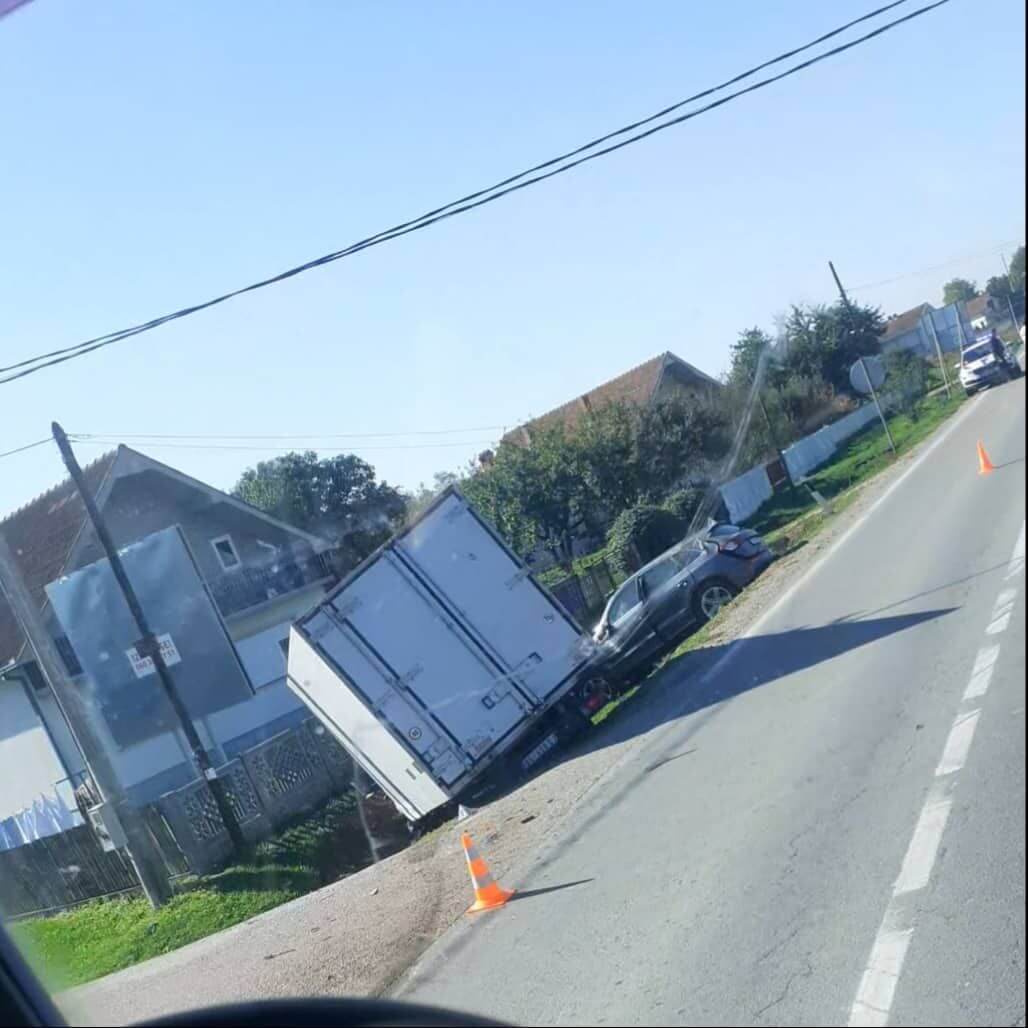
(867, 375)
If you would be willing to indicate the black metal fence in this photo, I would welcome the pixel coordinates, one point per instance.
(585, 593)
(59, 871)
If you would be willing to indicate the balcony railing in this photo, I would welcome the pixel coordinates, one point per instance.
(248, 587)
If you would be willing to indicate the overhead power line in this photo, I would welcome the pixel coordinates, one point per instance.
(997, 249)
(263, 448)
(215, 436)
(510, 185)
(27, 446)
(369, 240)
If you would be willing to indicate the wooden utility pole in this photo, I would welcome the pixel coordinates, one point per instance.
(141, 849)
(838, 283)
(148, 645)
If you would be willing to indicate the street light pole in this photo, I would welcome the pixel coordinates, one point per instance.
(149, 646)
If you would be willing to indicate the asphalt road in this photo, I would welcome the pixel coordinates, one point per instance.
(835, 833)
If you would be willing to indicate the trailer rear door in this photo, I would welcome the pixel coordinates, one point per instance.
(470, 569)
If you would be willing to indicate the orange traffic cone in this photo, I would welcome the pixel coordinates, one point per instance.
(488, 895)
(985, 466)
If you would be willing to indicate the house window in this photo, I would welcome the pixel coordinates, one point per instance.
(226, 551)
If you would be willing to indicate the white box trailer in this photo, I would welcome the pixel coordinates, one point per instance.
(437, 655)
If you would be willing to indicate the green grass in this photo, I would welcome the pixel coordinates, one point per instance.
(103, 936)
(107, 935)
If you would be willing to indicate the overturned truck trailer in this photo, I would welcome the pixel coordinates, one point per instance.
(436, 656)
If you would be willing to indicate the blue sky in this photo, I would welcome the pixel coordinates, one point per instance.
(153, 154)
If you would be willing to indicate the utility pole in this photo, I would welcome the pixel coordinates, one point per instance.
(141, 849)
(148, 646)
(942, 359)
(838, 283)
(1010, 295)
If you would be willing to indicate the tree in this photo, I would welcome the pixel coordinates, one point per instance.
(1017, 271)
(425, 494)
(959, 290)
(337, 498)
(821, 343)
(533, 494)
(746, 353)
(998, 287)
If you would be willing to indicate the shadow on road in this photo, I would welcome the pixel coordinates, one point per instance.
(531, 893)
(683, 687)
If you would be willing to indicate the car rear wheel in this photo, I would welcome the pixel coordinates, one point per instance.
(711, 597)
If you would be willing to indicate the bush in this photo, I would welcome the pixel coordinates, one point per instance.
(641, 533)
(906, 380)
(684, 502)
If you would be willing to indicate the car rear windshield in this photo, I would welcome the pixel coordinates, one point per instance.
(976, 353)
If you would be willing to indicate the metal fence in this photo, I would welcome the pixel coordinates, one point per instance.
(585, 592)
(270, 784)
(62, 870)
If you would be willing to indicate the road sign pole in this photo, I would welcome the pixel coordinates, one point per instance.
(142, 851)
(878, 405)
(148, 645)
(942, 359)
(1010, 293)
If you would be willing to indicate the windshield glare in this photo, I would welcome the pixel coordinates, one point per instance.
(511, 507)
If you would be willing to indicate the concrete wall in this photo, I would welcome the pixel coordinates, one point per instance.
(745, 495)
(812, 451)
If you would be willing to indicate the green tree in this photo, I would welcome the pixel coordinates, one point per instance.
(338, 498)
(1017, 270)
(533, 494)
(677, 441)
(425, 494)
(999, 288)
(822, 342)
(746, 352)
(959, 290)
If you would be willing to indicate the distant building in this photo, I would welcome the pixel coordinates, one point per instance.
(912, 330)
(259, 572)
(657, 379)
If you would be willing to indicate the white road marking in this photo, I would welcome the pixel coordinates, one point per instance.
(924, 845)
(954, 753)
(1017, 561)
(981, 676)
(878, 983)
(1002, 611)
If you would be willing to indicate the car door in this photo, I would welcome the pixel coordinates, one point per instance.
(630, 634)
(668, 590)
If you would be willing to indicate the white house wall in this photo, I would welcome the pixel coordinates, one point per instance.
(29, 763)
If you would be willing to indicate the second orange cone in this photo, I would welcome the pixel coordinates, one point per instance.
(488, 895)
(985, 466)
